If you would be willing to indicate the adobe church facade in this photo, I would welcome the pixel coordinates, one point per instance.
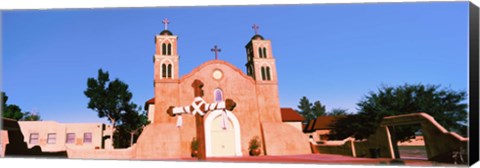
(257, 113)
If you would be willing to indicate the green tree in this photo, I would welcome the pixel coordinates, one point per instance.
(108, 98)
(305, 109)
(133, 121)
(338, 112)
(11, 111)
(447, 106)
(4, 100)
(310, 111)
(31, 117)
(318, 109)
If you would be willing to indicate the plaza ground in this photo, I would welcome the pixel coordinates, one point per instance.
(413, 152)
(322, 159)
(326, 159)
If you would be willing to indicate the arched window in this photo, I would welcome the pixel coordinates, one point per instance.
(218, 95)
(169, 71)
(268, 73)
(164, 70)
(164, 49)
(263, 73)
(260, 53)
(169, 49)
(264, 52)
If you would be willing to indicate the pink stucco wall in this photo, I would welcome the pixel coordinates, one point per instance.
(4, 142)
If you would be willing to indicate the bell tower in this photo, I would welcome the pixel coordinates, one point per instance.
(260, 60)
(261, 67)
(166, 75)
(166, 55)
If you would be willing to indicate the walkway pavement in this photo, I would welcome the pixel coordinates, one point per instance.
(323, 159)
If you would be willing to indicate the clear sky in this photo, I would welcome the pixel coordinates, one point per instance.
(335, 53)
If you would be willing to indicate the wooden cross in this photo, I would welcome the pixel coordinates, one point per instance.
(255, 27)
(216, 50)
(199, 108)
(166, 22)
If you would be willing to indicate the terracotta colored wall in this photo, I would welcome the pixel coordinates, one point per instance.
(284, 139)
(101, 154)
(3, 141)
(269, 107)
(166, 95)
(157, 141)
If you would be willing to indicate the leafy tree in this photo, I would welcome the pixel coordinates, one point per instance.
(338, 112)
(318, 109)
(31, 117)
(305, 109)
(108, 98)
(310, 111)
(4, 100)
(446, 106)
(10, 110)
(13, 111)
(133, 122)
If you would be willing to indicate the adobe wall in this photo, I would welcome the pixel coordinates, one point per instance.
(166, 95)
(284, 139)
(267, 97)
(439, 142)
(381, 140)
(157, 141)
(3, 141)
(343, 149)
(101, 153)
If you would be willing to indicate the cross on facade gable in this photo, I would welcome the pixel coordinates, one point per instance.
(255, 27)
(199, 108)
(216, 50)
(166, 22)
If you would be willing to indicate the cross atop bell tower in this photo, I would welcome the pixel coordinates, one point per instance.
(255, 27)
(166, 22)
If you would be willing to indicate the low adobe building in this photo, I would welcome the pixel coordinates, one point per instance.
(51, 138)
(319, 128)
(291, 117)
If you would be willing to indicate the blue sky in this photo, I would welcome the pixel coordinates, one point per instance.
(335, 53)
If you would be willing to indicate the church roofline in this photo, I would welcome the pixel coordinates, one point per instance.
(148, 102)
(197, 69)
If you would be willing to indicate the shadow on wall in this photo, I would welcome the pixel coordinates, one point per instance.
(18, 147)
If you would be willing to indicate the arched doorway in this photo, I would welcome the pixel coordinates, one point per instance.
(221, 142)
